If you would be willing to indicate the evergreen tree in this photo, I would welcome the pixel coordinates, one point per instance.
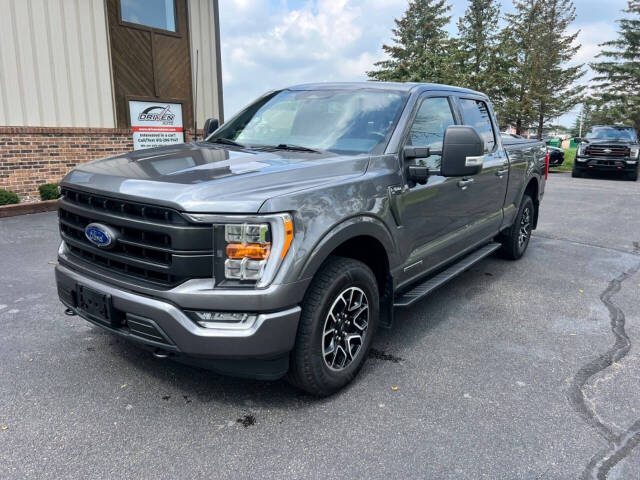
(477, 45)
(421, 46)
(517, 47)
(617, 82)
(553, 88)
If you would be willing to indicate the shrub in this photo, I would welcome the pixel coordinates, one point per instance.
(7, 197)
(48, 191)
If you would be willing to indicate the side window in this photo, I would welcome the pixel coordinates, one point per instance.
(433, 118)
(476, 114)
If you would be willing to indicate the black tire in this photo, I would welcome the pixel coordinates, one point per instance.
(577, 172)
(633, 176)
(310, 368)
(514, 240)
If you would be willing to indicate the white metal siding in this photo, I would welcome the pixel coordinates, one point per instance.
(202, 29)
(54, 64)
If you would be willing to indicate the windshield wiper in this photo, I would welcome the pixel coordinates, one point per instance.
(226, 141)
(289, 146)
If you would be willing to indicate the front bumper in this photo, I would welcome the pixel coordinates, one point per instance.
(168, 329)
(603, 163)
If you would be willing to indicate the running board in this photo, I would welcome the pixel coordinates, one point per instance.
(421, 290)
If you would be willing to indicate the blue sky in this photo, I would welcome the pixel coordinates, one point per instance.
(269, 44)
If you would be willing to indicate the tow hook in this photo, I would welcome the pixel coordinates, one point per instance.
(70, 312)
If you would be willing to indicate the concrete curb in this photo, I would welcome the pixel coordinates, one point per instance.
(26, 208)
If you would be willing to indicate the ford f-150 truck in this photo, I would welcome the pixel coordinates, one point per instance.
(608, 148)
(282, 241)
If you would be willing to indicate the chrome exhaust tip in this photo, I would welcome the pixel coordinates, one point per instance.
(161, 354)
(70, 312)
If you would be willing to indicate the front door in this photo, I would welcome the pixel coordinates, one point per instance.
(430, 214)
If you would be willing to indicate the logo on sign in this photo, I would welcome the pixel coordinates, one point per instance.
(157, 113)
(100, 235)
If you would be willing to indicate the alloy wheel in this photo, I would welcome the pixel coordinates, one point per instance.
(525, 227)
(345, 328)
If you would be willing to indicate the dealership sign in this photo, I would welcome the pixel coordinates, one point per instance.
(156, 124)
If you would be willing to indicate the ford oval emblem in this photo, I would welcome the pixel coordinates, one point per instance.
(100, 235)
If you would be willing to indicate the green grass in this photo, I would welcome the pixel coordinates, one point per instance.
(569, 156)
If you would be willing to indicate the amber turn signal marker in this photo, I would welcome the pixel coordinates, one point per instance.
(288, 235)
(254, 251)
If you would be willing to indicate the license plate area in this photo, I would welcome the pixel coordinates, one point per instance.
(97, 306)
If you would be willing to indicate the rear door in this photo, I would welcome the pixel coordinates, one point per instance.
(489, 187)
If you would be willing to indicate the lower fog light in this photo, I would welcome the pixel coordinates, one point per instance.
(221, 319)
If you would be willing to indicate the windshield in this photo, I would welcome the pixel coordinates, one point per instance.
(612, 133)
(341, 121)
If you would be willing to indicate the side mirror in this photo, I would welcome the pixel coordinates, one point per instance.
(210, 126)
(462, 152)
(578, 139)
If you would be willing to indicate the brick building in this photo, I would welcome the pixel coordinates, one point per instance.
(79, 79)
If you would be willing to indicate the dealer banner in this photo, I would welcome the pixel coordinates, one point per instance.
(156, 124)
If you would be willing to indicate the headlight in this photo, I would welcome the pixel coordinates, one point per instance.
(634, 152)
(582, 148)
(248, 250)
(248, 247)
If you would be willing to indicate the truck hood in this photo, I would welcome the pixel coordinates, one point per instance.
(201, 177)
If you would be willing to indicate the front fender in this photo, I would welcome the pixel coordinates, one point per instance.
(361, 225)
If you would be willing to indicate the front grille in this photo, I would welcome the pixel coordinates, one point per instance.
(614, 151)
(154, 244)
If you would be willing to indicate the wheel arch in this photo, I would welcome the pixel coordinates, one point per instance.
(362, 238)
(368, 240)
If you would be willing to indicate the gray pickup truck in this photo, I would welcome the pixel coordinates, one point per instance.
(279, 244)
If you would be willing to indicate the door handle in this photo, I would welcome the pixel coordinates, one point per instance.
(502, 173)
(464, 184)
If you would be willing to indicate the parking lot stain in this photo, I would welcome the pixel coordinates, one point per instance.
(381, 355)
(619, 445)
(186, 399)
(247, 420)
(166, 397)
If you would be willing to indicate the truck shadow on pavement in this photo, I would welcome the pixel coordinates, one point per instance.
(191, 385)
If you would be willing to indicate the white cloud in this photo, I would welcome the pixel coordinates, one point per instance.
(590, 38)
(268, 44)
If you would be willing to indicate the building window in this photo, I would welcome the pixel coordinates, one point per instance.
(160, 14)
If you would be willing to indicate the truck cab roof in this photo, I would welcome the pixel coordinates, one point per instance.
(397, 86)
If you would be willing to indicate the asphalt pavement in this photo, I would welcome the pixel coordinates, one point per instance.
(512, 370)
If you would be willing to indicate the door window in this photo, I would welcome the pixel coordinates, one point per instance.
(433, 118)
(475, 113)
